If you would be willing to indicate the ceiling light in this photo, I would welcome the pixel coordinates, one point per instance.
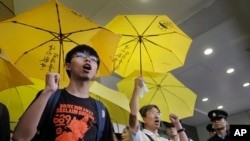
(208, 51)
(205, 99)
(230, 70)
(220, 107)
(246, 84)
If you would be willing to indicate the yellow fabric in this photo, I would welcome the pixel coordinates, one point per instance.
(116, 102)
(10, 75)
(33, 41)
(17, 99)
(153, 41)
(165, 91)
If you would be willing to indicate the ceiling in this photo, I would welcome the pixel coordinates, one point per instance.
(218, 24)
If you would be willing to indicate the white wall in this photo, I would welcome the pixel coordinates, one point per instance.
(241, 118)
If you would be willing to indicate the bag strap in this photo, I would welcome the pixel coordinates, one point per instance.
(150, 138)
(50, 107)
(101, 119)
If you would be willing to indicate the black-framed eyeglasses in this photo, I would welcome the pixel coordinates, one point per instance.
(85, 55)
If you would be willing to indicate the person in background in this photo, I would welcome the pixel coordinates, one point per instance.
(4, 123)
(219, 122)
(115, 137)
(211, 131)
(76, 116)
(151, 118)
(125, 134)
(171, 132)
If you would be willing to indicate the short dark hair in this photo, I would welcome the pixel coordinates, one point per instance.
(81, 48)
(168, 124)
(210, 128)
(146, 108)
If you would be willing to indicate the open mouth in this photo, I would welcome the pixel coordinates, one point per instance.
(87, 67)
(157, 121)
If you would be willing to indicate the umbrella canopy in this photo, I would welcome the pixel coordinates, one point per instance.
(165, 91)
(151, 43)
(17, 99)
(116, 102)
(37, 40)
(10, 75)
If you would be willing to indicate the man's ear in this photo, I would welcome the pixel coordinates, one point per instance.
(67, 66)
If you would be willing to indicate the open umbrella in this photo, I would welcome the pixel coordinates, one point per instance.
(17, 99)
(10, 75)
(150, 43)
(116, 102)
(37, 40)
(166, 92)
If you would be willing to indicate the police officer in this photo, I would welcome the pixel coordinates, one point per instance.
(219, 122)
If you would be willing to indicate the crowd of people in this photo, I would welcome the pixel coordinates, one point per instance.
(77, 116)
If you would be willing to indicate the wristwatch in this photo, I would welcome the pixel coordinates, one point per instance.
(181, 130)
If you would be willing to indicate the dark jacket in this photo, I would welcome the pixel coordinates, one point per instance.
(217, 138)
(4, 123)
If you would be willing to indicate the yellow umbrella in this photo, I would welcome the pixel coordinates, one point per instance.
(37, 40)
(116, 102)
(17, 99)
(10, 75)
(150, 43)
(166, 92)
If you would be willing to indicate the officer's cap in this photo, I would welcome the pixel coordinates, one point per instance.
(217, 114)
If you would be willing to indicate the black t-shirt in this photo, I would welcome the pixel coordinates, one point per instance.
(76, 119)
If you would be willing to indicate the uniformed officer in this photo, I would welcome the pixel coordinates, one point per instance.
(219, 122)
